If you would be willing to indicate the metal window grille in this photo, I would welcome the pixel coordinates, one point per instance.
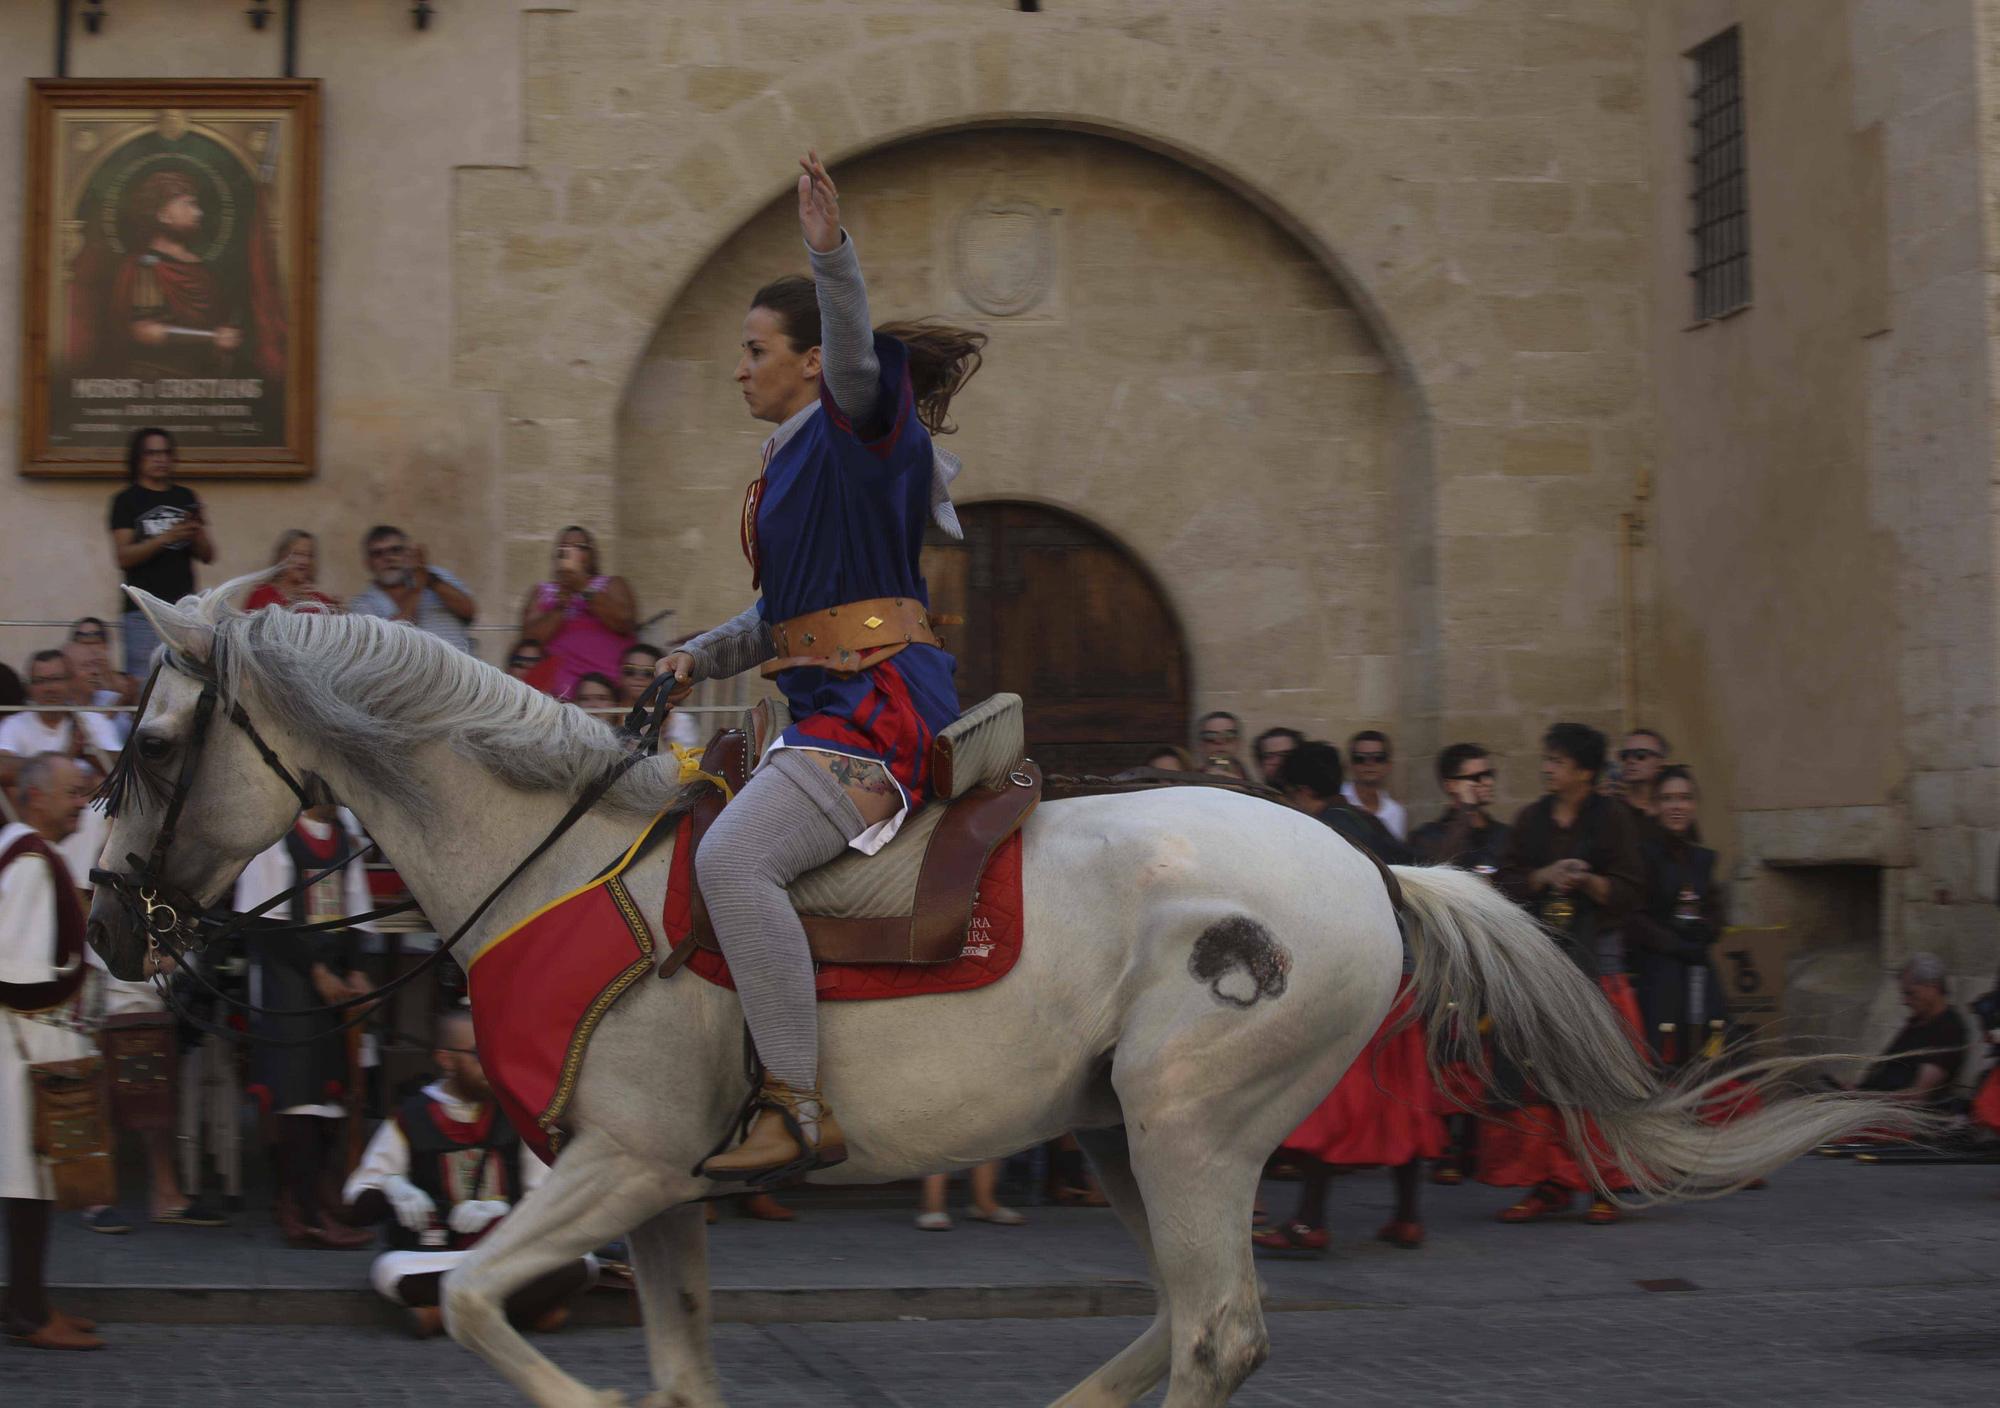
(1721, 195)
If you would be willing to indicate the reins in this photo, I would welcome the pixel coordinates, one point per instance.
(172, 919)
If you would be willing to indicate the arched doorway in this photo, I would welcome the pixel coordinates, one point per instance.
(1061, 615)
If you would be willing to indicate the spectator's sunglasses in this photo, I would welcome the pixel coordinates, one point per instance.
(1264, 755)
(387, 549)
(524, 662)
(636, 672)
(62, 678)
(89, 635)
(1210, 735)
(1371, 757)
(1638, 755)
(1485, 776)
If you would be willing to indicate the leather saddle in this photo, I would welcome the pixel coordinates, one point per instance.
(912, 901)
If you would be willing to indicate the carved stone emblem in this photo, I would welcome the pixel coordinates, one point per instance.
(1004, 255)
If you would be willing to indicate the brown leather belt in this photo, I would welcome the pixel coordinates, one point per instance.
(852, 636)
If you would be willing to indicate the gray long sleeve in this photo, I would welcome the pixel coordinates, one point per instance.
(846, 335)
(738, 644)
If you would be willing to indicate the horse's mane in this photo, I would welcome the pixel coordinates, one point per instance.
(374, 691)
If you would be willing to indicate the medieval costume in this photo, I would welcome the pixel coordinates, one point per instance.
(1386, 1112)
(1527, 1146)
(307, 1087)
(833, 529)
(440, 1173)
(46, 1012)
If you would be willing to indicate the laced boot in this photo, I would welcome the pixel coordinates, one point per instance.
(793, 1132)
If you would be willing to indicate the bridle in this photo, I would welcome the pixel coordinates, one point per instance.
(179, 926)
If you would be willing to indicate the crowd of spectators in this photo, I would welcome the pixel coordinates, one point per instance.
(1609, 858)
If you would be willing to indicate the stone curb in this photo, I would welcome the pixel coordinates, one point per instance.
(748, 1305)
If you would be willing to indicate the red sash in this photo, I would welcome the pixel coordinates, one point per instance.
(39, 997)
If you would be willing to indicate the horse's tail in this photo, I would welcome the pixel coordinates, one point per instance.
(1482, 962)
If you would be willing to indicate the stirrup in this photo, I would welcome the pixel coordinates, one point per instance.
(776, 1099)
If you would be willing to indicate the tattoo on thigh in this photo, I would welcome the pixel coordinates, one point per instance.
(858, 776)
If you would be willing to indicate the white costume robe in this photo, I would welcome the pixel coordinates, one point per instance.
(27, 955)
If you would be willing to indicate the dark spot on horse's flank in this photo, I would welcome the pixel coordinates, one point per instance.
(690, 1303)
(1241, 961)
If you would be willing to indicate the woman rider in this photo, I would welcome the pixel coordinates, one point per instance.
(832, 528)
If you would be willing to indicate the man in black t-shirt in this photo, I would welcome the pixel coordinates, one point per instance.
(1923, 1061)
(158, 532)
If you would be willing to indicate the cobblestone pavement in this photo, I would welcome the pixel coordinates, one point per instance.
(1841, 1285)
(1683, 1350)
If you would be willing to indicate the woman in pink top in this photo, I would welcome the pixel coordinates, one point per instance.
(582, 619)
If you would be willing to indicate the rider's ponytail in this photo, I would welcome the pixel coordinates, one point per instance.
(942, 359)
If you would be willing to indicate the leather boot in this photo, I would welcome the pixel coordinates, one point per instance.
(792, 1132)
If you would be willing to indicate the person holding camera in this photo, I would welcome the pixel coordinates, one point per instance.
(582, 617)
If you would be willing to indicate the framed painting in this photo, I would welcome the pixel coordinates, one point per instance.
(171, 273)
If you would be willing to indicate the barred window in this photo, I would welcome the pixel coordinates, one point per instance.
(1721, 195)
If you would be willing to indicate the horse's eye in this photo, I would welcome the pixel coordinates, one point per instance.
(153, 748)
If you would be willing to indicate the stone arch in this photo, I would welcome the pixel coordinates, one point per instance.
(1209, 400)
(1314, 183)
(1337, 193)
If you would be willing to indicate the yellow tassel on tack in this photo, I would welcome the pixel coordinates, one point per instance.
(691, 771)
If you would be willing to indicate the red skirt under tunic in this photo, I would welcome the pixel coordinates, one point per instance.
(1529, 1144)
(1386, 1109)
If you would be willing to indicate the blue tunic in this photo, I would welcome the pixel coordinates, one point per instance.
(841, 519)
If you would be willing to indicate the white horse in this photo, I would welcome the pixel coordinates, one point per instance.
(1199, 969)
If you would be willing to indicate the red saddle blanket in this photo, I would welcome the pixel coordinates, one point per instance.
(992, 940)
(540, 989)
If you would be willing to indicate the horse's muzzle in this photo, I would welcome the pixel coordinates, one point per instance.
(115, 935)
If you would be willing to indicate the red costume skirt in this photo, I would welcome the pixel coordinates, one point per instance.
(1529, 1145)
(1386, 1109)
(1986, 1104)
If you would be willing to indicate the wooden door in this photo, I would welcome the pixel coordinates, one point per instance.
(1062, 616)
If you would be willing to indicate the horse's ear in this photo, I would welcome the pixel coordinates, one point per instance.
(184, 633)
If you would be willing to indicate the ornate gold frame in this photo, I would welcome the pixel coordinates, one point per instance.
(185, 101)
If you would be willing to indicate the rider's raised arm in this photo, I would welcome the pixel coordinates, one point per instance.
(846, 334)
(738, 644)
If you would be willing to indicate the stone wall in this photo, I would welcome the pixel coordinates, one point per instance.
(519, 200)
(1164, 361)
(398, 438)
(1822, 520)
(1469, 175)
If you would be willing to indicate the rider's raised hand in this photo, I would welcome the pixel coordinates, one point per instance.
(819, 205)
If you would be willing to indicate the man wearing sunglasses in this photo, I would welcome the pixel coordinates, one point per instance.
(405, 586)
(1220, 733)
(1369, 756)
(1465, 834)
(1640, 758)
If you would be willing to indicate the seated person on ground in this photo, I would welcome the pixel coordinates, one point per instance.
(440, 1172)
(1923, 1061)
